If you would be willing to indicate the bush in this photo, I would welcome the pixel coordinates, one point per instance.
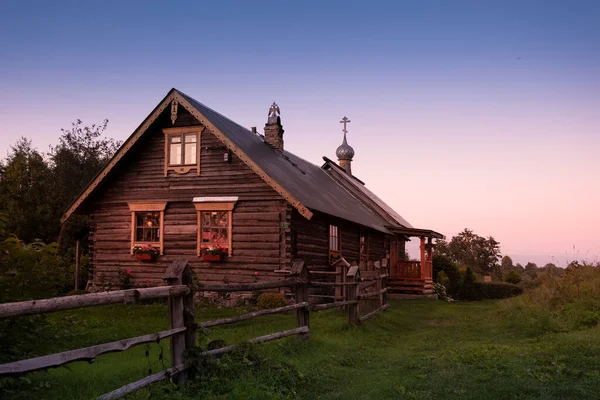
(561, 302)
(271, 300)
(467, 287)
(444, 267)
(512, 277)
(495, 290)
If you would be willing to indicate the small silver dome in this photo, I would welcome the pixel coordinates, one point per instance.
(345, 151)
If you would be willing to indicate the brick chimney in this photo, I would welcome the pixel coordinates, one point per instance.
(274, 129)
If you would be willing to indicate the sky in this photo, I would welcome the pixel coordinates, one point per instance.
(465, 114)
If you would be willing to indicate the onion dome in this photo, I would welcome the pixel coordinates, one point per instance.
(344, 151)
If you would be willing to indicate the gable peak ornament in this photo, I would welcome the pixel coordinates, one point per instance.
(174, 105)
(274, 115)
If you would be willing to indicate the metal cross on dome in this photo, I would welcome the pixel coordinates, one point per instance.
(345, 121)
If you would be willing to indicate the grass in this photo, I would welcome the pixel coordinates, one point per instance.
(415, 350)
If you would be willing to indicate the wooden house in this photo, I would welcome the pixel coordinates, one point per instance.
(189, 179)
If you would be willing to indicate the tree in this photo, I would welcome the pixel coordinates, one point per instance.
(512, 277)
(26, 192)
(507, 263)
(472, 250)
(531, 270)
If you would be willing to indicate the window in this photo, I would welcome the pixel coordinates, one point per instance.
(335, 251)
(364, 247)
(147, 222)
(182, 149)
(215, 223)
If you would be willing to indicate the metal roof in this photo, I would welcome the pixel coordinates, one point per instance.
(307, 182)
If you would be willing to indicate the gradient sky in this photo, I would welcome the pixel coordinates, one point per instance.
(478, 114)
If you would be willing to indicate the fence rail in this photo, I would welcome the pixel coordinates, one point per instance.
(182, 325)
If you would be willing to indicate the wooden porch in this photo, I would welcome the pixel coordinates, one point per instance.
(413, 277)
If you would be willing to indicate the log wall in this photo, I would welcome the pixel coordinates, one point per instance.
(260, 238)
(312, 240)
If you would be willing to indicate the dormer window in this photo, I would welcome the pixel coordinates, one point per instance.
(182, 149)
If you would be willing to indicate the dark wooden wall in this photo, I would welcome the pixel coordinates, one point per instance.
(260, 238)
(312, 244)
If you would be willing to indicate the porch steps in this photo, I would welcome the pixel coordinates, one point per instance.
(410, 286)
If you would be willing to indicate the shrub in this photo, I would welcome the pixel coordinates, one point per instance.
(512, 277)
(444, 266)
(561, 302)
(495, 290)
(271, 300)
(467, 287)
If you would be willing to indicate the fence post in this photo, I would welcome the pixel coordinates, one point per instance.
(300, 271)
(77, 260)
(181, 314)
(341, 267)
(352, 294)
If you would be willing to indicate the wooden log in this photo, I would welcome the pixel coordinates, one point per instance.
(84, 354)
(319, 307)
(260, 339)
(245, 287)
(373, 313)
(352, 295)
(132, 387)
(333, 273)
(327, 284)
(174, 276)
(301, 296)
(233, 320)
(32, 307)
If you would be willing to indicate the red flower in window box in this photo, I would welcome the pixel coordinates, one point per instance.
(145, 252)
(213, 253)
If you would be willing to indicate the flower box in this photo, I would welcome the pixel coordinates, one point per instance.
(145, 256)
(212, 257)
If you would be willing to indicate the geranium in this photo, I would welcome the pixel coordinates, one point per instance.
(145, 249)
(213, 250)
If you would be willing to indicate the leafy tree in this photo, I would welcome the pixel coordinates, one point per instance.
(81, 153)
(512, 277)
(26, 192)
(507, 263)
(472, 250)
(531, 270)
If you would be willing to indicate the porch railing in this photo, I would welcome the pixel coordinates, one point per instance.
(408, 270)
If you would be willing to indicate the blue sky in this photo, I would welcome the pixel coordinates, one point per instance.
(479, 114)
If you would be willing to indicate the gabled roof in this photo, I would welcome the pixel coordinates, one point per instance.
(358, 188)
(305, 185)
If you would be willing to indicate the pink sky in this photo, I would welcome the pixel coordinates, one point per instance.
(476, 115)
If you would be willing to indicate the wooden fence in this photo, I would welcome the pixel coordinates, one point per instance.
(182, 325)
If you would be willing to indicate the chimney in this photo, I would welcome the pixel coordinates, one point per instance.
(273, 128)
(253, 129)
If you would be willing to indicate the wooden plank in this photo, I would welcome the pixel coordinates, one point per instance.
(32, 307)
(319, 307)
(373, 313)
(233, 320)
(372, 294)
(132, 387)
(245, 287)
(259, 339)
(84, 354)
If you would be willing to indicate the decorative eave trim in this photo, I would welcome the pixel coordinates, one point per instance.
(305, 212)
(167, 101)
(120, 153)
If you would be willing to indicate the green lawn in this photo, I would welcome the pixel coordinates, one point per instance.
(415, 350)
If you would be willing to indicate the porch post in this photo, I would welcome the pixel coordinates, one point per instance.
(423, 264)
(430, 256)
